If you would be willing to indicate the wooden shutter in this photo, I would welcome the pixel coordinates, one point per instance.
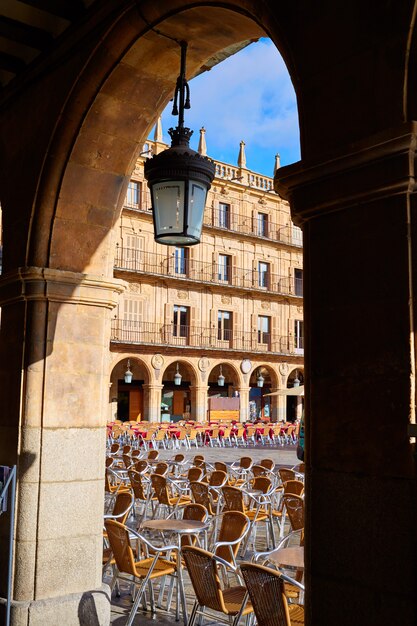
(168, 322)
(275, 343)
(133, 251)
(178, 402)
(237, 330)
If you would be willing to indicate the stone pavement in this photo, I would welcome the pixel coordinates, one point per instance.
(121, 606)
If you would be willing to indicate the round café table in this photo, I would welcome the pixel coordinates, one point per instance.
(179, 527)
(292, 557)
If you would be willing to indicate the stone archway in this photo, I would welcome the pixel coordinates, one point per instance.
(354, 195)
(178, 397)
(129, 401)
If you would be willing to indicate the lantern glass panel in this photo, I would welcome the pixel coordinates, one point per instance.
(168, 204)
(197, 202)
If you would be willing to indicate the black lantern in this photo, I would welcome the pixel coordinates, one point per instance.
(179, 178)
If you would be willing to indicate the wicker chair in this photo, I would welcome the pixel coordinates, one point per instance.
(294, 486)
(202, 495)
(229, 603)
(142, 493)
(153, 455)
(233, 528)
(267, 593)
(139, 572)
(286, 474)
(194, 474)
(257, 511)
(161, 489)
(196, 512)
(219, 465)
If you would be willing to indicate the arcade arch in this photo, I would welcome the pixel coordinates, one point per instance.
(58, 258)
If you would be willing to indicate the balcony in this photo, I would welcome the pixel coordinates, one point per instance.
(243, 224)
(169, 335)
(132, 260)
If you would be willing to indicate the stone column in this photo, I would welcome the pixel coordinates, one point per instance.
(55, 331)
(199, 403)
(358, 213)
(152, 402)
(244, 403)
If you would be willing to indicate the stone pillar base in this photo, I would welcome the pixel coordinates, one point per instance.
(90, 608)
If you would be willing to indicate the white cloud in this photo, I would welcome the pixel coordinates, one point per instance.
(248, 97)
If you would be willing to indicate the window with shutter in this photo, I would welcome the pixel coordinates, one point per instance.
(133, 248)
(133, 196)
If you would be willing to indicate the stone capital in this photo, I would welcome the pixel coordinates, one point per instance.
(383, 165)
(45, 284)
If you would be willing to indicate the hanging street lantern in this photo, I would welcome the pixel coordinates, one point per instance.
(177, 377)
(128, 373)
(179, 178)
(260, 379)
(220, 380)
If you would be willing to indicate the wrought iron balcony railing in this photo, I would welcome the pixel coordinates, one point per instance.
(247, 225)
(134, 260)
(242, 224)
(152, 333)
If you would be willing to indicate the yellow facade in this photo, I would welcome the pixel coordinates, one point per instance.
(233, 301)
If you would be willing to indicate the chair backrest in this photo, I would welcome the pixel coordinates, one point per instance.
(109, 461)
(135, 453)
(160, 435)
(286, 474)
(159, 484)
(232, 528)
(118, 536)
(179, 458)
(268, 463)
(122, 506)
(233, 499)
(219, 465)
(127, 461)
(126, 449)
(259, 470)
(294, 487)
(198, 458)
(161, 468)
(194, 473)
(153, 455)
(114, 448)
(217, 478)
(246, 462)
(204, 578)
(263, 483)
(137, 485)
(295, 510)
(266, 591)
(196, 512)
(141, 466)
(201, 495)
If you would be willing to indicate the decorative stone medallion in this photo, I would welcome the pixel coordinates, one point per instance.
(157, 361)
(283, 369)
(203, 364)
(246, 366)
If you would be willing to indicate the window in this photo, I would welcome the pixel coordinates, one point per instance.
(299, 335)
(264, 329)
(132, 318)
(224, 325)
(224, 267)
(133, 194)
(181, 320)
(263, 274)
(181, 260)
(224, 215)
(298, 282)
(133, 252)
(262, 225)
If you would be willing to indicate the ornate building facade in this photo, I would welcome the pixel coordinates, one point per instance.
(227, 315)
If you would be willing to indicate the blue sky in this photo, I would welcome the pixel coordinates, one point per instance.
(249, 96)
